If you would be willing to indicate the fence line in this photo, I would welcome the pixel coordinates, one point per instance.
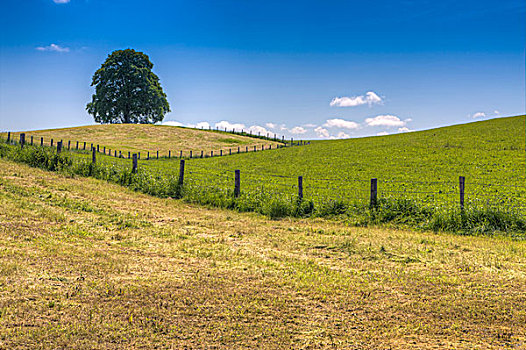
(183, 154)
(305, 187)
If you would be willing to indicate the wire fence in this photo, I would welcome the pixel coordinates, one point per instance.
(86, 146)
(459, 192)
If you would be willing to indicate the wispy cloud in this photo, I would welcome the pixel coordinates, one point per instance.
(321, 132)
(229, 126)
(382, 133)
(404, 129)
(298, 130)
(61, 1)
(270, 125)
(257, 129)
(341, 123)
(386, 120)
(53, 47)
(479, 115)
(369, 98)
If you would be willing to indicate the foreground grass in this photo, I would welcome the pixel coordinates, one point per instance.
(147, 138)
(87, 264)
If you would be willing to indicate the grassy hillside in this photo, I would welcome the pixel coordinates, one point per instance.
(90, 265)
(145, 137)
(424, 166)
(418, 178)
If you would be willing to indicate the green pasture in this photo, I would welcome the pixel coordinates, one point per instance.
(424, 166)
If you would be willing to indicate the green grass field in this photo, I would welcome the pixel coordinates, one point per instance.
(424, 166)
(418, 178)
(86, 264)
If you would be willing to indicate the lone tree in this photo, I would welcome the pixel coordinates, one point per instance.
(127, 91)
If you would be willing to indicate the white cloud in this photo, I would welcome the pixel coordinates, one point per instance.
(342, 135)
(201, 125)
(310, 125)
(61, 1)
(479, 115)
(53, 47)
(340, 123)
(404, 129)
(229, 126)
(382, 133)
(386, 120)
(283, 127)
(255, 129)
(496, 112)
(321, 132)
(369, 98)
(172, 123)
(298, 130)
(270, 125)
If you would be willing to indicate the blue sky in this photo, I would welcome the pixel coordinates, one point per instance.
(305, 69)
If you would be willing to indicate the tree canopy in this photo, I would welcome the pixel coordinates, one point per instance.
(127, 91)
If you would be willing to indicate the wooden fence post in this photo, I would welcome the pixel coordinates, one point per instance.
(221, 153)
(157, 154)
(230, 151)
(51, 142)
(69, 145)
(169, 154)
(148, 156)
(120, 154)
(31, 140)
(22, 140)
(180, 154)
(300, 188)
(181, 172)
(84, 146)
(129, 153)
(115, 153)
(41, 141)
(201, 154)
(77, 146)
(255, 149)
(238, 149)
(91, 147)
(8, 136)
(134, 163)
(190, 154)
(374, 193)
(462, 184)
(93, 156)
(237, 185)
(59, 146)
(139, 155)
(211, 154)
(246, 149)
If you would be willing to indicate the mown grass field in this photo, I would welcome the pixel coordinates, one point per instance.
(147, 138)
(90, 265)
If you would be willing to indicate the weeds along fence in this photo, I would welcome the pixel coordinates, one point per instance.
(84, 146)
(443, 203)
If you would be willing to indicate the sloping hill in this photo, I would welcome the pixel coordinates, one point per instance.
(425, 165)
(146, 137)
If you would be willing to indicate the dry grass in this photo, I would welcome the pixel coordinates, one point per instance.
(89, 265)
(146, 138)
